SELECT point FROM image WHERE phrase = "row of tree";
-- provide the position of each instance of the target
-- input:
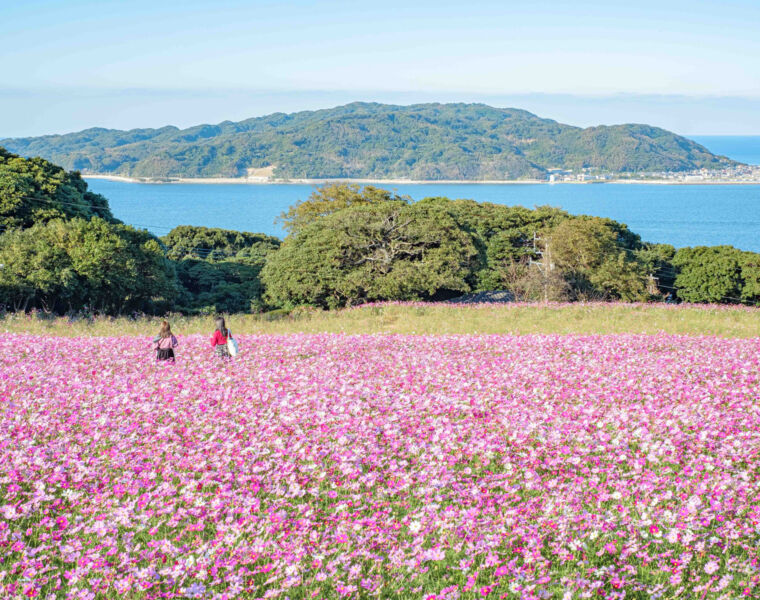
(61, 250)
(347, 245)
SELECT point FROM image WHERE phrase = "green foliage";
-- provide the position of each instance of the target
(62, 265)
(34, 191)
(360, 140)
(380, 251)
(502, 235)
(62, 250)
(717, 274)
(657, 259)
(593, 256)
(219, 287)
(750, 265)
(331, 198)
(350, 248)
(212, 244)
(505, 260)
(219, 269)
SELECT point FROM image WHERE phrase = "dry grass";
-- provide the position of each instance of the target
(417, 318)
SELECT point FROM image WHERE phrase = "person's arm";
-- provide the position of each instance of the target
(214, 339)
(174, 342)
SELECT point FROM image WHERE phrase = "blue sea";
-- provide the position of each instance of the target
(744, 148)
(682, 215)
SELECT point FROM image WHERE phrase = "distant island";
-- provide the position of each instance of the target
(427, 142)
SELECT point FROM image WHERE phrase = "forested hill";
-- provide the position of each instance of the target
(377, 141)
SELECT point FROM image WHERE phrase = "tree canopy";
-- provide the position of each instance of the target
(349, 245)
(388, 250)
(218, 269)
(62, 265)
(35, 190)
(593, 257)
(331, 198)
(717, 274)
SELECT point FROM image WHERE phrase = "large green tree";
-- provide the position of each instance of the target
(595, 257)
(66, 265)
(331, 198)
(34, 190)
(657, 260)
(502, 235)
(750, 265)
(382, 251)
(709, 274)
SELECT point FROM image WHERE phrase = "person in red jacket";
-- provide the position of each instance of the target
(219, 339)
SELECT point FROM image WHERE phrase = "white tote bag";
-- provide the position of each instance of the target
(232, 345)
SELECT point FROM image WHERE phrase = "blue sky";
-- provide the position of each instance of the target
(70, 64)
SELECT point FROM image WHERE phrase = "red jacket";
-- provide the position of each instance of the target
(218, 339)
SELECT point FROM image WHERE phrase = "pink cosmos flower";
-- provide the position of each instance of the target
(711, 567)
(489, 441)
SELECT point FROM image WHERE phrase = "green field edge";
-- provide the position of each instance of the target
(426, 319)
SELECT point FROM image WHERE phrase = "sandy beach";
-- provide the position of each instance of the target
(269, 181)
(266, 180)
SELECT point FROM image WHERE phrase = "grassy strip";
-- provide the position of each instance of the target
(425, 319)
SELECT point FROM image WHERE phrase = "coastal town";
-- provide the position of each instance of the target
(739, 174)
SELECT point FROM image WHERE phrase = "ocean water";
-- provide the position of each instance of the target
(744, 148)
(682, 215)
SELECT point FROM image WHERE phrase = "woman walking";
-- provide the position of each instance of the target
(165, 342)
(220, 338)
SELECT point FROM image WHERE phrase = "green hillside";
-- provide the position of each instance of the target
(377, 141)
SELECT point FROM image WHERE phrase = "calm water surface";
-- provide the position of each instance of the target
(744, 148)
(682, 215)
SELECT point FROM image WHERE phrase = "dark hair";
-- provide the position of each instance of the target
(165, 331)
(220, 326)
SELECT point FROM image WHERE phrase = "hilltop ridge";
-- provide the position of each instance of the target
(370, 140)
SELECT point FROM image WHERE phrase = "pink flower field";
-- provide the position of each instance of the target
(330, 466)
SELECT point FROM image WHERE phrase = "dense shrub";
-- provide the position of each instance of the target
(62, 266)
(218, 269)
(717, 274)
